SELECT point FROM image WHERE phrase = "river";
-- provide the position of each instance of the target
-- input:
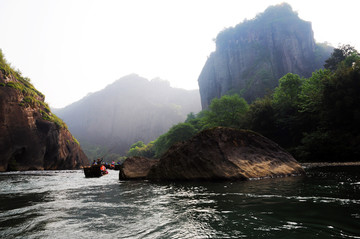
(64, 204)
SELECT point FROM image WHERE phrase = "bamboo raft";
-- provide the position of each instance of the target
(95, 171)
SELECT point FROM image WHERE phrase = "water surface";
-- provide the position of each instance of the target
(65, 204)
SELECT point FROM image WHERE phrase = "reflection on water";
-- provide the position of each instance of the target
(59, 204)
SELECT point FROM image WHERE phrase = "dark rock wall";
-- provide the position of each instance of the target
(28, 142)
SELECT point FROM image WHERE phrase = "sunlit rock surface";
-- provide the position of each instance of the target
(225, 154)
(136, 168)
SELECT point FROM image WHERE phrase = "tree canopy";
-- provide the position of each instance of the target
(339, 55)
(228, 111)
(177, 133)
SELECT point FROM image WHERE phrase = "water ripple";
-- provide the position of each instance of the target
(57, 204)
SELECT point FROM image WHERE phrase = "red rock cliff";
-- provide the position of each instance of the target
(31, 137)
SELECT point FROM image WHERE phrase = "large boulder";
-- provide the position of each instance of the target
(136, 168)
(225, 154)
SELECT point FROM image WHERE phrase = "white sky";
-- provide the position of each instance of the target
(69, 48)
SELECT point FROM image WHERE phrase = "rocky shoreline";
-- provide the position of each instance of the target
(328, 164)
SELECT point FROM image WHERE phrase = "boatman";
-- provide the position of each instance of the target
(103, 170)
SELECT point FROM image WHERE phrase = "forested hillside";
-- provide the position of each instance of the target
(315, 118)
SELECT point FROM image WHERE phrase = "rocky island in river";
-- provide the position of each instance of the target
(218, 154)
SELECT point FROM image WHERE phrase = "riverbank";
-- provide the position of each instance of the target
(328, 164)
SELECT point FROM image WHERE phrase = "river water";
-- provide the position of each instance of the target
(65, 204)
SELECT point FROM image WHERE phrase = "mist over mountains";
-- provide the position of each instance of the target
(301, 111)
(129, 110)
(249, 60)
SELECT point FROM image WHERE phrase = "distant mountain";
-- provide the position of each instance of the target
(129, 110)
(251, 57)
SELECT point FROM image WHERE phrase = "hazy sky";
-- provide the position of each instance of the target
(69, 48)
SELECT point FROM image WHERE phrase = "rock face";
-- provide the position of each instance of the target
(136, 168)
(225, 154)
(129, 110)
(251, 57)
(30, 137)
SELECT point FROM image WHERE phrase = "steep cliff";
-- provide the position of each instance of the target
(129, 110)
(251, 57)
(31, 137)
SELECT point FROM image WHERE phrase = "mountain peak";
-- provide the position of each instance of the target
(129, 110)
(278, 10)
(252, 56)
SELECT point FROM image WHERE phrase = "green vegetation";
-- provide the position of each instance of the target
(315, 118)
(75, 140)
(17, 81)
(177, 133)
(228, 111)
(339, 55)
(6, 68)
(32, 97)
(141, 149)
(94, 152)
(53, 118)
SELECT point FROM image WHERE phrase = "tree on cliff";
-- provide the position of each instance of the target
(228, 111)
(261, 117)
(177, 133)
(340, 54)
(141, 149)
(287, 91)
